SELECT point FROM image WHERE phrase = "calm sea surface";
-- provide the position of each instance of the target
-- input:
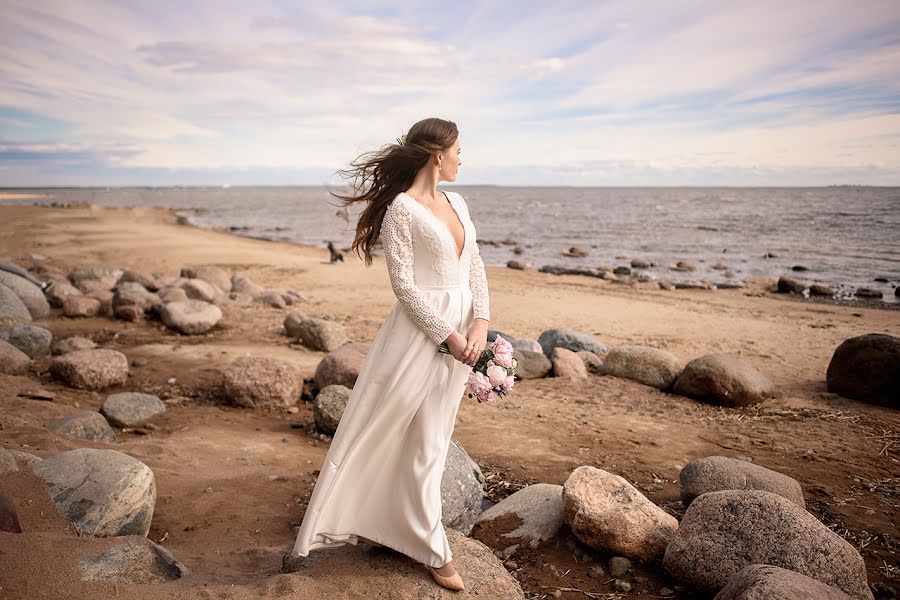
(845, 236)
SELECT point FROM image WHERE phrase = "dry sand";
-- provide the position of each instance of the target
(233, 538)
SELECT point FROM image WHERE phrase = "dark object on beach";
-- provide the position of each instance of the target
(881, 280)
(769, 255)
(864, 292)
(9, 519)
(897, 291)
(787, 285)
(818, 289)
(799, 268)
(867, 368)
(335, 253)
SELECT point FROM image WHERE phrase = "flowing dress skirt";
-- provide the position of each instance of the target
(381, 479)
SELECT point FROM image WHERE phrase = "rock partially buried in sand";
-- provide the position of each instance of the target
(292, 324)
(329, 407)
(567, 364)
(32, 340)
(132, 409)
(132, 301)
(462, 489)
(531, 365)
(72, 344)
(538, 510)
(723, 532)
(765, 582)
(12, 360)
(104, 493)
(716, 473)
(191, 317)
(260, 381)
(321, 334)
(84, 425)
(570, 340)
(81, 306)
(341, 366)
(723, 379)
(198, 289)
(134, 559)
(650, 366)
(244, 285)
(364, 571)
(867, 368)
(12, 310)
(213, 275)
(61, 290)
(608, 513)
(7, 461)
(31, 295)
(90, 369)
(789, 285)
(592, 362)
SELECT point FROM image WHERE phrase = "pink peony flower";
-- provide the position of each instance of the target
(496, 375)
(510, 380)
(479, 383)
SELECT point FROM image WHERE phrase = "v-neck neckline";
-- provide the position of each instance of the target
(447, 227)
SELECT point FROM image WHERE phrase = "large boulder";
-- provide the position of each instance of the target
(133, 302)
(462, 489)
(31, 295)
(88, 279)
(131, 409)
(364, 570)
(329, 407)
(90, 369)
(262, 381)
(198, 289)
(723, 379)
(12, 360)
(134, 559)
(723, 532)
(570, 340)
(867, 368)
(609, 514)
(191, 317)
(213, 275)
(32, 340)
(567, 364)
(104, 493)
(321, 334)
(765, 582)
(530, 516)
(342, 365)
(12, 310)
(715, 473)
(292, 324)
(84, 425)
(531, 365)
(650, 366)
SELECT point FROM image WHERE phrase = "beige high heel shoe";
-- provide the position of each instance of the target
(453, 582)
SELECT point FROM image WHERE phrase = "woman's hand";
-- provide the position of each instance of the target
(476, 339)
(457, 345)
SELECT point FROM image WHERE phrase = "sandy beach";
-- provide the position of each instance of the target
(233, 538)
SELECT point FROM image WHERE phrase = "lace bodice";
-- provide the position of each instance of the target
(420, 252)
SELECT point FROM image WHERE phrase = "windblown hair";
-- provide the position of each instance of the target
(378, 176)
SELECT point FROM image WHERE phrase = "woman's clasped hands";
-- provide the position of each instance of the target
(468, 349)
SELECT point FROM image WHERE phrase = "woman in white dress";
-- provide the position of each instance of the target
(381, 477)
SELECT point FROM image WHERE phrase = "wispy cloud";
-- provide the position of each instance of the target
(571, 93)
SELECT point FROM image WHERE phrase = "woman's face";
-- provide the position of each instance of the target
(449, 162)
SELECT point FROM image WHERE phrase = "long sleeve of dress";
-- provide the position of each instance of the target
(396, 237)
(479, 286)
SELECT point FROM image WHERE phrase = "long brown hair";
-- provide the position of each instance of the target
(378, 176)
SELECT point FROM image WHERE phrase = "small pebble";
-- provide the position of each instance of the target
(619, 565)
(511, 565)
(208, 490)
(666, 591)
(172, 380)
(595, 571)
(293, 410)
(621, 586)
(139, 362)
(869, 486)
(640, 580)
(869, 512)
(557, 593)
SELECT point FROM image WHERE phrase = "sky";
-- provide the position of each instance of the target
(633, 93)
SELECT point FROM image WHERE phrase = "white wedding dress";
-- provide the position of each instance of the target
(381, 477)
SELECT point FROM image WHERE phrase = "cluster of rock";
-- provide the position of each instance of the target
(745, 529)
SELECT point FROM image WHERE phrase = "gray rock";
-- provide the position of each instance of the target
(32, 340)
(765, 582)
(72, 344)
(638, 263)
(213, 275)
(131, 409)
(531, 365)
(132, 301)
(198, 289)
(526, 344)
(61, 290)
(820, 290)
(90, 369)
(723, 532)
(723, 379)
(462, 489)
(864, 292)
(516, 264)
(570, 340)
(172, 294)
(134, 559)
(619, 566)
(715, 473)
(81, 306)
(650, 366)
(567, 364)
(292, 324)
(191, 317)
(867, 368)
(539, 509)
(322, 335)
(31, 295)
(329, 407)
(103, 493)
(789, 285)
(609, 514)
(147, 280)
(493, 333)
(592, 362)
(7, 461)
(253, 381)
(12, 310)
(342, 365)
(272, 298)
(244, 285)
(84, 425)
(12, 360)
(102, 277)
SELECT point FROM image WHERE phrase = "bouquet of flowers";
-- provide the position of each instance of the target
(493, 374)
